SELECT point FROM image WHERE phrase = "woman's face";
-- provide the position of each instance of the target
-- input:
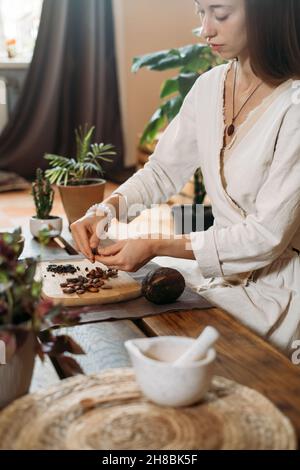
(224, 26)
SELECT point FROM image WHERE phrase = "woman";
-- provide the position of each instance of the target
(241, 124)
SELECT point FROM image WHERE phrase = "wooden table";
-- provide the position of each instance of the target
(242, 355)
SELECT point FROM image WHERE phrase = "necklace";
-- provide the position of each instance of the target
(231, 127)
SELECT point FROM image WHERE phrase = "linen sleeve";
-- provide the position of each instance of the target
(265, 234)
(173, 162)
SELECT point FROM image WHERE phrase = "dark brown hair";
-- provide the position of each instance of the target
(273, 28)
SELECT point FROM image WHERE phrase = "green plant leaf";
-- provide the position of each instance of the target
(156, 123)
(30, 264)
(36, 289)
(105, 159)
(155, 60)
(169, 87)
(44, 236)
(199, 188)
(185, 82)
(91, 167)
(104, 148)
(83, 141)
(56, 160)
(197, 32)
(21, 268)
(56, 175)
(99, 150)
(63, 168)
(4, 278)
(172, 107)
(88, 157)
(65, 177)
(173, 58)
(184, 57)
(148, 60)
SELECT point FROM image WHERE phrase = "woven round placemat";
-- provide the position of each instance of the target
(108, 411)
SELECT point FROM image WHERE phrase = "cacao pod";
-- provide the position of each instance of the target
(163, 285)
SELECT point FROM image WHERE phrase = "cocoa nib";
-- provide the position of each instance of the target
(61, 268)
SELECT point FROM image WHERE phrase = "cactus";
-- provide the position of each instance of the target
(43, 195)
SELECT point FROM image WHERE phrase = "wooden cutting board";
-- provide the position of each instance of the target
(124, 287)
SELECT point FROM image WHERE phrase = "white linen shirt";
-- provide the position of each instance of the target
(245, 263)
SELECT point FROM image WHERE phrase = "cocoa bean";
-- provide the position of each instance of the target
(93, 289)
(68, 291)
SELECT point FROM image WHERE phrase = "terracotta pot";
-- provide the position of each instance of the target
(79, 198)
(15, 376)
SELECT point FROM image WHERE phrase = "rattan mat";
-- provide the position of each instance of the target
(108, 411)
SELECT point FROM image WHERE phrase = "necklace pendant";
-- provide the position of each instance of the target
(230, 130)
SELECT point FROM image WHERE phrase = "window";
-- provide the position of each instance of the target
(19, 23)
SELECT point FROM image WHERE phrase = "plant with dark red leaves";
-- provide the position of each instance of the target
(22, 309)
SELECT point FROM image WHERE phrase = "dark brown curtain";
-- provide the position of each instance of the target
(72, 80)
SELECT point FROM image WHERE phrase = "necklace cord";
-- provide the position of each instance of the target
(231, 127)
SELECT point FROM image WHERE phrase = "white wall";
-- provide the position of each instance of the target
(143, 26)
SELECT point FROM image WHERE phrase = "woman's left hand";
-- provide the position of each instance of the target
(127, 255)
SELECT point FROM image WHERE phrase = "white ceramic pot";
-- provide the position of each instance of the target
(53, 224)
(15, 376)
(163, 382)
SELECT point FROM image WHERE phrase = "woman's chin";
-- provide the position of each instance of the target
(227, 55)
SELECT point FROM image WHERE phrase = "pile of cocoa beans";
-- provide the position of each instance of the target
(94, 280)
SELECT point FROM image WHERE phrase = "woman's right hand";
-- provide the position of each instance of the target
(86, 232)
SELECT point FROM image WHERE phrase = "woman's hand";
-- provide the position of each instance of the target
(85, 233)
(130, 255)
(127, 255)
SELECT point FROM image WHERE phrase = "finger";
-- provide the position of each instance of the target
(112, 249)
(83, 242)
(111, 261)
(94, 241)
(75, 238)
(75, 242)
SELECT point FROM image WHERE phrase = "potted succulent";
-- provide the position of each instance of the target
(43, 195)
(191, 61)
(78, 179)
(23, 316)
